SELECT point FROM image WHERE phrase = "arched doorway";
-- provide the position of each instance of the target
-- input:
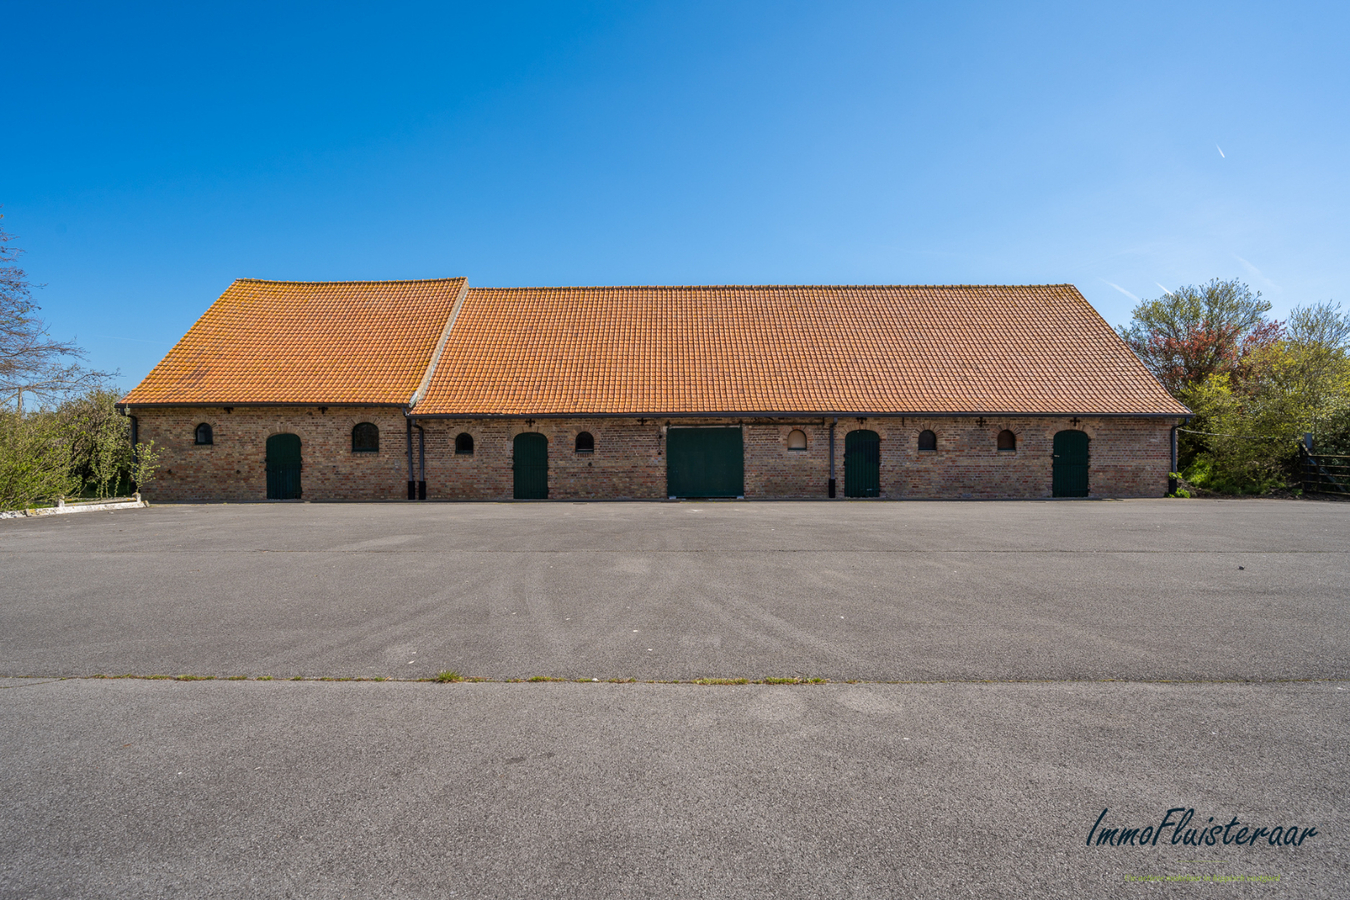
(530, 466)
(862, 464)
(1070, 478)
(283, 467)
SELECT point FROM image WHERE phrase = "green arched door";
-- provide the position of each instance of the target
(862, 464)
(530, 466)
(1070, 477)
(283, 467)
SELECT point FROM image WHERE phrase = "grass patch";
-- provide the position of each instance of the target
(264, 677)
(237, 678)
(621, 680)
(448, 676)
(721, 681)
(194, 678)
(298, 678)
(544, 678)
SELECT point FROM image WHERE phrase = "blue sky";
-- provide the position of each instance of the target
(154, 153)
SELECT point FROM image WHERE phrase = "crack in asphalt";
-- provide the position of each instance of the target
(769, 681)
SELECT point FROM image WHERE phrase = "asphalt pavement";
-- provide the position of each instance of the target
(1141, 590)
(1017, 669)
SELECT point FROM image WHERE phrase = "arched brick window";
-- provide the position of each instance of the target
(204, 434)
(927, 441)
(365, 438)
(1007, 442)
(464, 444)
(796, 439)
(585, 442)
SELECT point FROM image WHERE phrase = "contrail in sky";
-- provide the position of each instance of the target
(1220, 149)
(1122, 290)
(1164, 290)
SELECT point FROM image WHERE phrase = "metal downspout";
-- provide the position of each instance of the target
(1171, 478)
(412, 485)
(833, 422)
(421, 462)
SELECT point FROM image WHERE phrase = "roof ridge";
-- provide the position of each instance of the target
(708, 287)
(390, 281)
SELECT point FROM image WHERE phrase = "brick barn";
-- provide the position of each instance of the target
(436, 390)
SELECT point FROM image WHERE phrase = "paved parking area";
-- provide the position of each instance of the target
(118, 789)
(1144, 590)
(1076, 612)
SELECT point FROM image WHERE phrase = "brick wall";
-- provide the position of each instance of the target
(1129, 457)
(233, 467)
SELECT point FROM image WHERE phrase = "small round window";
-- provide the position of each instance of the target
(927, 441)
(204, 434)
(796, 439)
(1007, 442)
(585, 442)
(464, 444)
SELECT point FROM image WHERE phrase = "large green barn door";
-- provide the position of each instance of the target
(862, 464)
(705, 462)
(1070, 477)
(530, 466)
(283, 467)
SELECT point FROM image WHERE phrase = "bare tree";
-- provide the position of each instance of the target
(31, 361)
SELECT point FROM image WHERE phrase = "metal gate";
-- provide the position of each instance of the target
(1070, 470)
(862, 464)
(530, 466)
(705, 462)
(283, 467)
(1324, 473)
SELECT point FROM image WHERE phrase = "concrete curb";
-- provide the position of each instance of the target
(62, 507)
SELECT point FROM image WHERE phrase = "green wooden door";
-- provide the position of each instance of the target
(1071, 465)
(705, 462)
(530, 466)
(283, 467)
(862, 464)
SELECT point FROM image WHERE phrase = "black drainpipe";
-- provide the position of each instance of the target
(135, 439)
(412, 485)
(1171, 478)
(834, 422)
(421, 462)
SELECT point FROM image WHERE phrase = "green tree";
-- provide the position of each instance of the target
(102, 457)
(1194, 332)
(34, 459)
(1294, 386)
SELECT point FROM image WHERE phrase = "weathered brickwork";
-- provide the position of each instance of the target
(233, 466)
(1130, 457)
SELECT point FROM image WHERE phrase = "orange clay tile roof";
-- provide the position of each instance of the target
(306, 342)
(659, 350)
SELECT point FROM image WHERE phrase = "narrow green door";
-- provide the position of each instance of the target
(862, 464)
(705, 462)
(1071, 465)
(283, 467)
(530, 466)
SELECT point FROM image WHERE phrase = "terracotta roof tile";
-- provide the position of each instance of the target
(939, 349)
(306, 342)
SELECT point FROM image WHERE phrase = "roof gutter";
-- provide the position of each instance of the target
(237, 404)
(813, 414)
